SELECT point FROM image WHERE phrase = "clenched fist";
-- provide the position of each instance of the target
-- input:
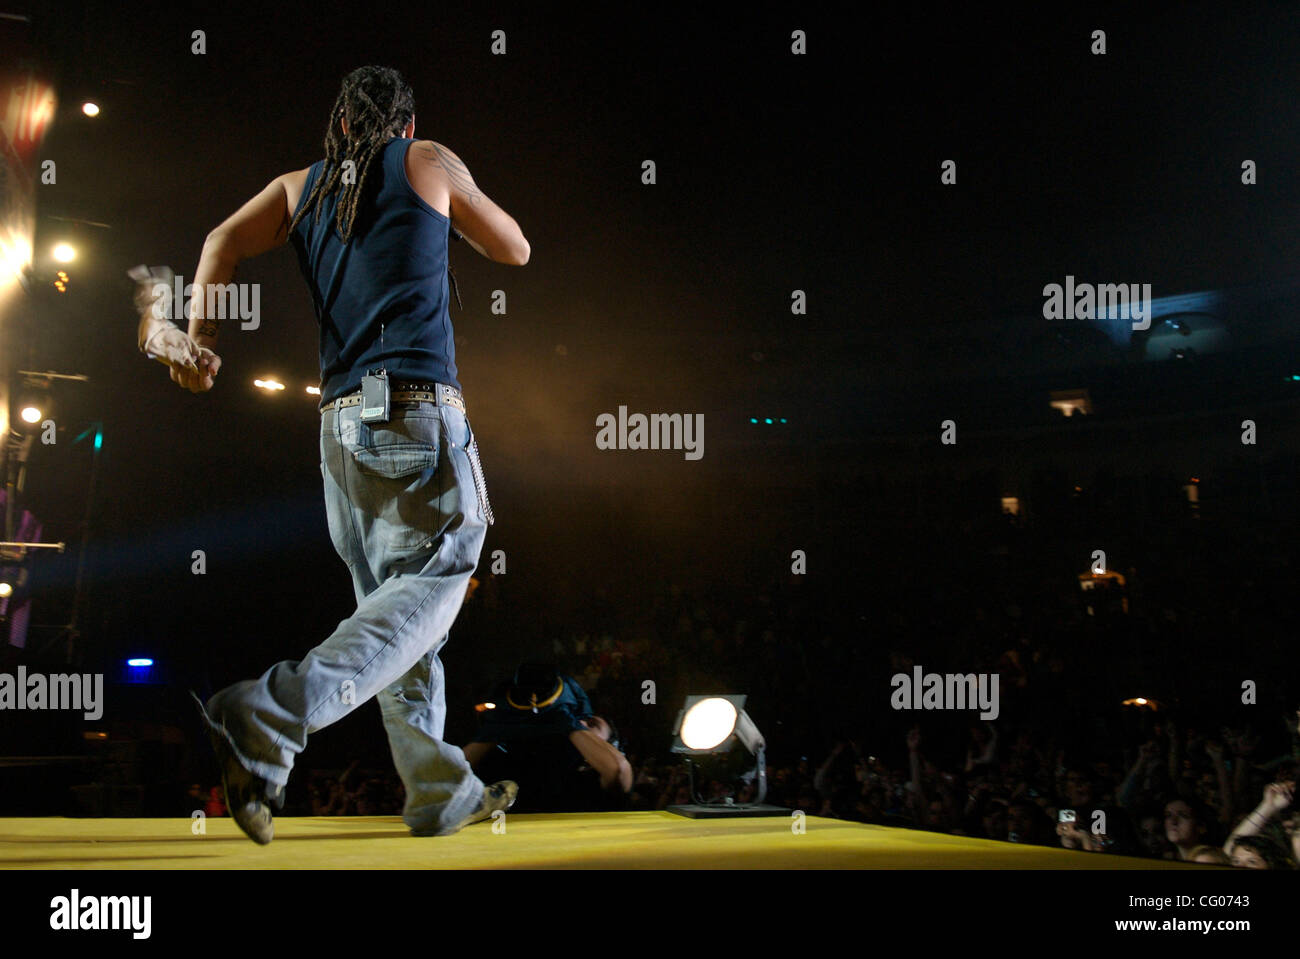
(199, 377)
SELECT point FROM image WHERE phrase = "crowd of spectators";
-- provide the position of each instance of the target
(1185, 794)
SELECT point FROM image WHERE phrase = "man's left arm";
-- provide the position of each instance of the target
(259, 225)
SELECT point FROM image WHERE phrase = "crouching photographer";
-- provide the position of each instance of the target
(543, 733)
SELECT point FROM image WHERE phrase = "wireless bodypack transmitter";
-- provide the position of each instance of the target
(375, 399)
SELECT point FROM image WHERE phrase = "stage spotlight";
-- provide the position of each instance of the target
(33, 408)
(269, 385)
(33, 403)
(707, 730)
(64, 253)
(6, 590)
(708, 723)
(90, 108)
(314, 390)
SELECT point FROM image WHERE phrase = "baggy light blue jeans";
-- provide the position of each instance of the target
(408, 511)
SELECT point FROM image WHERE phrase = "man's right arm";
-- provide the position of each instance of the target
(489, 229)
(611, 765)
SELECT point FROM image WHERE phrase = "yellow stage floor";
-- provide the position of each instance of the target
(641, 840)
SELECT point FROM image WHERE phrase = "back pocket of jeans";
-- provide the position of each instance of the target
(402, 506)
(396, 460)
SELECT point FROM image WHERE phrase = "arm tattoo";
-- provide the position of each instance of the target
(457, 172)
(209, 327)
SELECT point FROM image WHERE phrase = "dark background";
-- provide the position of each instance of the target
(775, 173)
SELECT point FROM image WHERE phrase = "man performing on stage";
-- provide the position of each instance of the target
(404, 490)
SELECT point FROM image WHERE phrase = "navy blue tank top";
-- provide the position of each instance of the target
(392, 272)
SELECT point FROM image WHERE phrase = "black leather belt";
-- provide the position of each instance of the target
(438, 393)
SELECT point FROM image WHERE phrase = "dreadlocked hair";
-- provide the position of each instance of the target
(378, 104)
